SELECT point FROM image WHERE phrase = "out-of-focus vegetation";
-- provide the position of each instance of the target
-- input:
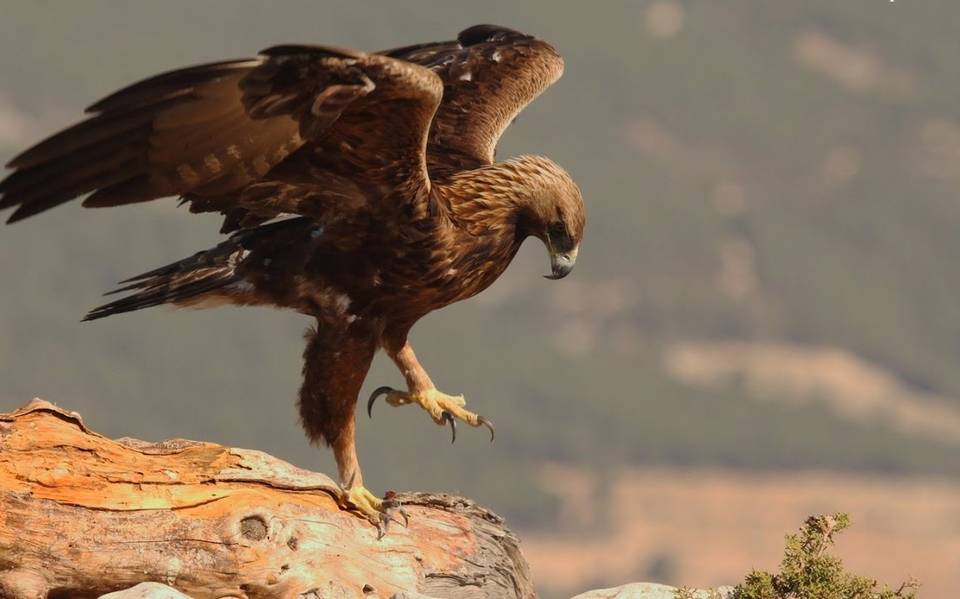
(754, 171)
(809, 572)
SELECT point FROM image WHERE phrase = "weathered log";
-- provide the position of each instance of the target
(82, 515)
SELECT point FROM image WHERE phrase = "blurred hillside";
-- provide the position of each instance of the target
(767, 283)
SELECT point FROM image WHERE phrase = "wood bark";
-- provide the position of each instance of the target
(82, 515)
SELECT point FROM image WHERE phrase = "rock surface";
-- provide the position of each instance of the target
(637, 590)
(649, 590)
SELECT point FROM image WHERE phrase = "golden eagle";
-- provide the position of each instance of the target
(360, 189)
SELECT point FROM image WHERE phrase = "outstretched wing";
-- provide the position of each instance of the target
(489, 75)
(215, 129)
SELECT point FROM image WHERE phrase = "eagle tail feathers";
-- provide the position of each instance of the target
(183, 282)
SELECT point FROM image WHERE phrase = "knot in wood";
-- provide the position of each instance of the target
(253, 528)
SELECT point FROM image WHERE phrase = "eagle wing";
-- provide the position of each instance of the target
(489, 75)
(216, 129)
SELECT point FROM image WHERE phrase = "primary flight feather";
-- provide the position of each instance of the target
(360, 189)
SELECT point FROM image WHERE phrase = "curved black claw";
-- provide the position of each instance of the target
(448, 417)
(390, 506)
(488, 424)
(373, 397)
(381, 525)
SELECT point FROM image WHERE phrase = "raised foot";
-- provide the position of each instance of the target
(443, 408)
(378, 511)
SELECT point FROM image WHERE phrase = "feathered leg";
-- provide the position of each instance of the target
(336, 361)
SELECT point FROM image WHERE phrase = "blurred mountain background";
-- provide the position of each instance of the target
(764, 322)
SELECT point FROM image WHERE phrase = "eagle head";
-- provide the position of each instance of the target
(555, 213)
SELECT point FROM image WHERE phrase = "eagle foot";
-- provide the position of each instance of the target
(443, 408)
(380, 512)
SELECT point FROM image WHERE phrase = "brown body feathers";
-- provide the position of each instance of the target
(360, 189)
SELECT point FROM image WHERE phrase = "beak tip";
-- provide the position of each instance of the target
(561, 262)
(560, 267)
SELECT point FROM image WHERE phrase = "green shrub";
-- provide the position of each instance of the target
(809, 572)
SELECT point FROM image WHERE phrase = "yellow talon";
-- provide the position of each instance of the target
(365, 502)
(376, 510)
(436, 403)
(442, 408)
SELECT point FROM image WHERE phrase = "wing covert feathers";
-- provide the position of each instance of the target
(490, 74)
(210, 130)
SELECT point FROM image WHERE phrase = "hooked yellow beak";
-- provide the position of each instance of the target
(561, 263)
